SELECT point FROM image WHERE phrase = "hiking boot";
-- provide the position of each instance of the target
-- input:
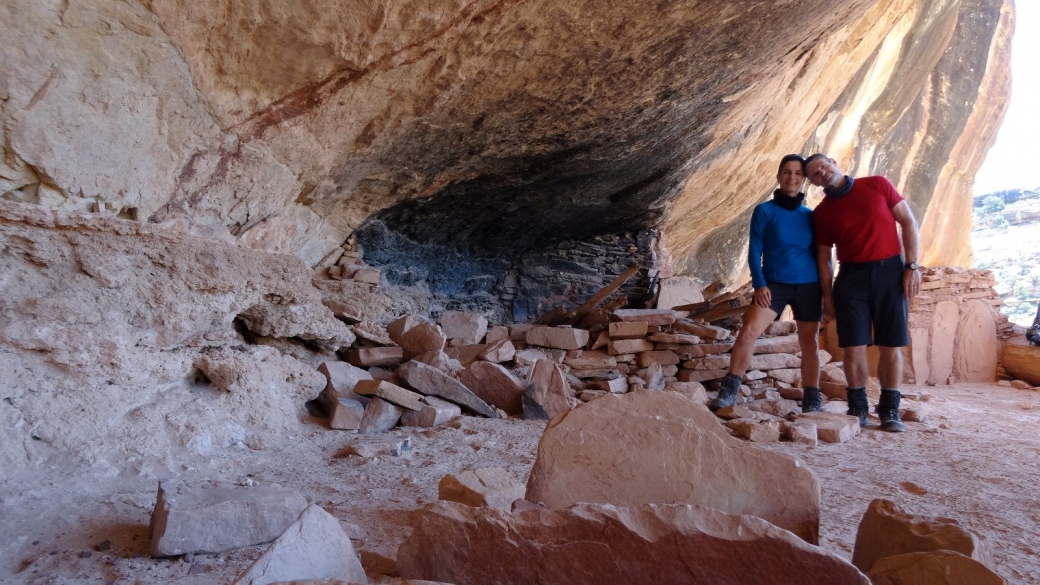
(858, 406)
(888, 411)
(811, 399)
(728, 392)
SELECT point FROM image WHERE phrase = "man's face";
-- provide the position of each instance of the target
(824, 172)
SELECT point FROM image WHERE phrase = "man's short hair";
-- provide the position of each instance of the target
(812, 157)
(790, 158)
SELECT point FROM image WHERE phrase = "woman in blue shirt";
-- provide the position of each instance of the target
(782, 258)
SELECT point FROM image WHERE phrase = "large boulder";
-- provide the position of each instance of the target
(661, 448)
(590, 544)
(887, 530)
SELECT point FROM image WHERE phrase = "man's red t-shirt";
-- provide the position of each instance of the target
(860, 223)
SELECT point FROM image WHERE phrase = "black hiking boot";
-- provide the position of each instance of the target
(888, 411)
(858, 406)
(728, 392)
(811, 399)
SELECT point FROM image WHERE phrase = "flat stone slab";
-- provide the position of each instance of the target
(312, 547)
(435, 413)
(495, 385)
(756, 431)
(215, 517)
(649, 316)
(627, 329)
(592, 544)
(376, 356)
(567, 338)
(832, 427)
(391, 392)
(433, 382)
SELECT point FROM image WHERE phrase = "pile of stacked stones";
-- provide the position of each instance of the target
(417, 372)
(344, 262)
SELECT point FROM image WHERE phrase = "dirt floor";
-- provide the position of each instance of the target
(975, 458)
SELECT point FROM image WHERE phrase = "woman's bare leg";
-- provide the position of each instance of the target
(756, 320)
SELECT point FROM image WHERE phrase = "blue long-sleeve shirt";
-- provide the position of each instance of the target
(781, 247)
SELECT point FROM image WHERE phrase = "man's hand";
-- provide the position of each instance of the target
(911, 283)
(763, 297)
(828, 310)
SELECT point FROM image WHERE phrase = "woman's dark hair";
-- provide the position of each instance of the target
(790, 158)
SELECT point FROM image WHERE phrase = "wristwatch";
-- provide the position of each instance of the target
(911, 266)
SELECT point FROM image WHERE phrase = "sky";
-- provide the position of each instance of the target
(1014, 160)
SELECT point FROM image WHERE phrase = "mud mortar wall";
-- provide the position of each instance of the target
(955, 329)
(514, 289)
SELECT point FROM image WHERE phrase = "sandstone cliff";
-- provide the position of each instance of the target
(492, 126)
(238, 141)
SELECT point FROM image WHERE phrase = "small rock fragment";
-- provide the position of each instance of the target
(486, 486)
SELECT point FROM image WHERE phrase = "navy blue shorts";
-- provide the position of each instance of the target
(870, 304)
(806, 300)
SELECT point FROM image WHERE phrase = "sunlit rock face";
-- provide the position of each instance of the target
(492, 127)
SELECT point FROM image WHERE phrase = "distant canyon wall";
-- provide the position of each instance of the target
(492, 126)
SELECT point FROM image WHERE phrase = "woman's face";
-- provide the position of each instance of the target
(790, 177)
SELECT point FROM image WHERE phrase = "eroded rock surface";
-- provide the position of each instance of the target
(105, 321)
(596, 543)
(286, 127)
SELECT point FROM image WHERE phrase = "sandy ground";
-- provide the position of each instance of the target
(974, 459)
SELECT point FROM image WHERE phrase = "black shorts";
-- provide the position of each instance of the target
(806, 300)
(869, 297)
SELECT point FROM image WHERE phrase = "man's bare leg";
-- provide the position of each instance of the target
(890, 367)
(809, 343)
(857, 370)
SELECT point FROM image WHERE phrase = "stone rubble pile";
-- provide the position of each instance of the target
(416, 372)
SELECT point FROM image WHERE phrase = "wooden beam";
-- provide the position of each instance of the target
(602, 294)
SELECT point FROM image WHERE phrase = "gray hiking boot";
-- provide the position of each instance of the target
(811, 399)
(858, 405)
(728, 392)
(888, 411)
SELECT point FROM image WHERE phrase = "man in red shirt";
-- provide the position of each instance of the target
(871, 294)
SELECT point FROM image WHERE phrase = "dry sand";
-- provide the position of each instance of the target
(974, 459)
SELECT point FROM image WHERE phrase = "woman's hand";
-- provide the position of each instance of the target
(763, 297)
